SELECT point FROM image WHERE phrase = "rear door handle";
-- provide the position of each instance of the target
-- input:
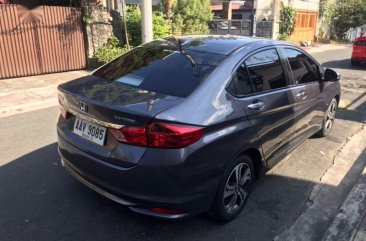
(259, 105)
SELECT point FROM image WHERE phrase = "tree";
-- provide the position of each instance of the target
(287, 21)
(191, 17)
(348, 14)
(161, 26)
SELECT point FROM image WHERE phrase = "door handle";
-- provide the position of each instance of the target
(302, 95)
(259, 105)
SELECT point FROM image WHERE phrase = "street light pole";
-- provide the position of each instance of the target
(146, 21)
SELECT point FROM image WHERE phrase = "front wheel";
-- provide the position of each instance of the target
(329, 118)
(233, 190)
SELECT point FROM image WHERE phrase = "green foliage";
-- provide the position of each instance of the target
(283, 37)
(287, 20)
(133, 21)
(161, 26)
(348, 14)
(191, 17)
(111, 50)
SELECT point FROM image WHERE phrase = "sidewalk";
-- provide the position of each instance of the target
(26, 94)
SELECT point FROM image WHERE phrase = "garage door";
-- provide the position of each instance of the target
(305, 27)
(46, 39)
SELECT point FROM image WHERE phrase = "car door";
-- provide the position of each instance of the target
(308, 93)
(262, 89)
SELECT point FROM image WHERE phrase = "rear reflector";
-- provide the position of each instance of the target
(166, 211)
(159, 135)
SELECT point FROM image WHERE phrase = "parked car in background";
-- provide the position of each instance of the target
(220, 24)
(180, 126)
(359, 51)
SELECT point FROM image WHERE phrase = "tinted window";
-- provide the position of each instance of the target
(360, 43)
(265, 71)
(303, 68)
(162, 67)
(240, 83)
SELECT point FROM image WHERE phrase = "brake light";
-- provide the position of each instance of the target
(131, 135)
(159, 135)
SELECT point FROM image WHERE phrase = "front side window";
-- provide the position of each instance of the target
(265, 71)
(304, 69)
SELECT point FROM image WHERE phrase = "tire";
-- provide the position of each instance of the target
(329, 118)
(225, 209)
(354, 62)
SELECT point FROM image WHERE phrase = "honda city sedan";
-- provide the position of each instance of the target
(184, 125)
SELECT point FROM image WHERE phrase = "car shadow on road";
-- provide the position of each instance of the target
(40, 201)
(344, 64)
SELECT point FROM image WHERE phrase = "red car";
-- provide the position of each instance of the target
(359, 51)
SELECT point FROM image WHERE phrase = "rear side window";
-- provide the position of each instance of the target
(162, 67)
(304, 69)
(361, 43)
(240, 83)
(265, 71)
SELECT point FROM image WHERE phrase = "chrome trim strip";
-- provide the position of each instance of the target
(92, 120)
(97, 189)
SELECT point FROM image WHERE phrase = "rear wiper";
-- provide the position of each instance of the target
(180, 46)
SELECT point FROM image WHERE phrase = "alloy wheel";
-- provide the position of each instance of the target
(331, 114)
(237, 188)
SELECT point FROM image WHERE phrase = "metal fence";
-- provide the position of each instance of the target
(231, 26)
(46, 39)
(264, 29)
(241, 27)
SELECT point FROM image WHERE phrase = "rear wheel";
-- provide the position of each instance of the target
(234, 190)
(329, 118)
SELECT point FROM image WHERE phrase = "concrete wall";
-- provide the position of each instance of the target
(309, 5)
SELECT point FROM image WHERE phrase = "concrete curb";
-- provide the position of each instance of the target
(329, 194)
(350, 215)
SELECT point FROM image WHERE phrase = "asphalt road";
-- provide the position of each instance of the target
(40, 201)
(353, 77)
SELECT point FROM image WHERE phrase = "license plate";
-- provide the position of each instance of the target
(92, 132)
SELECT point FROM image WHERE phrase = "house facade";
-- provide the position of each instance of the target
(307, 12)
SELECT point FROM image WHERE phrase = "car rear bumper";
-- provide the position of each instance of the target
(140, 187)
(359, 57)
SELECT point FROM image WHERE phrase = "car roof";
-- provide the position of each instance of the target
(361, 39)
(220, 44)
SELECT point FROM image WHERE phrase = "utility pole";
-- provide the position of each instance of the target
(121, 6)
(146, 21)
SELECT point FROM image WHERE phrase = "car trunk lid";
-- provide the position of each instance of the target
(111, 105)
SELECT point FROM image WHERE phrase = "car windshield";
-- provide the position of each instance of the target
(162, 66)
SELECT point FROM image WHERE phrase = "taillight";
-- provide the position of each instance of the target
(173, 136)
(159, 135)
(131, 135)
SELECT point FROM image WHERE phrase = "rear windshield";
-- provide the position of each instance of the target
(161, 66)
(361, 43)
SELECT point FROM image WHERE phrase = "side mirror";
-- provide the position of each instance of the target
(331, 75)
